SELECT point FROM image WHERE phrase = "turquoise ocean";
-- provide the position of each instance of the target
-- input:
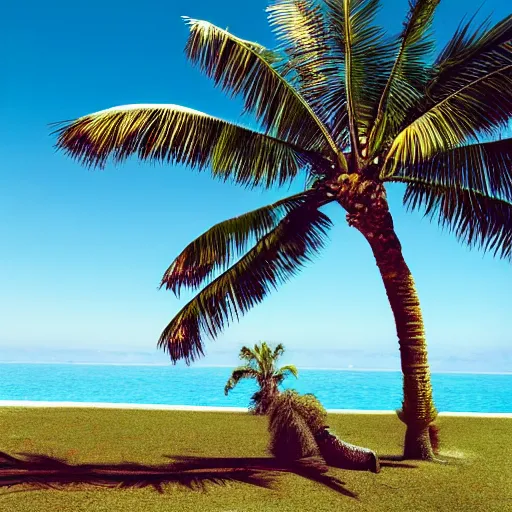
(204, 386)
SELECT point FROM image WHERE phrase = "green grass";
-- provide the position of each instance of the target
(477, 477)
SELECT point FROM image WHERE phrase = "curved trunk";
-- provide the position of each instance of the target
(369, 213)
(418, 409)
(339, 454)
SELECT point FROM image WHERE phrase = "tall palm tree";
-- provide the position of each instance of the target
(261, 366)
(356, 112)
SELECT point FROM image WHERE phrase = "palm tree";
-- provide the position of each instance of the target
(261, 365)
(355, 112)
(298, 433)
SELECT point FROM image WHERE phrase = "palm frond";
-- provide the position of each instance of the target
(312, 410)
(278, 351)
(485, 167)
(181, 135)
(462, 38)
(470, 93)
(407, 78)
(265, 359)
(315, 61)
(216, 249)
(291, 437)
(284, 371)
(476, 219)
(239, 373)
(469, 46)
(246, 68)
(368, 61)
(275, 258)
(247, 354)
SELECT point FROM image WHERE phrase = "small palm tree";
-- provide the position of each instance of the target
(261, 365)
(356, 112)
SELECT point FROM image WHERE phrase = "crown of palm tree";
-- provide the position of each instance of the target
(260, 364)
(336, 96)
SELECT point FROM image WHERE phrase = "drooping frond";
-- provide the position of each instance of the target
(239, 373)
(286, 370)
(291, 438)
(407, 78)
(216, 249)
(278, 351)
(367, 61)
(312, 410)
(469, 93)
(247, 354)
(315, 60)
(476, 219)
(246, 68)
(484, 167)
(274, 259)
(181, 135)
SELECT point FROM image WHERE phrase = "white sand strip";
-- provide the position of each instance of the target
(106, 405)
(162, 407)
(471, 414)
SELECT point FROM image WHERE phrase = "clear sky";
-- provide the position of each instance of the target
(82, 252)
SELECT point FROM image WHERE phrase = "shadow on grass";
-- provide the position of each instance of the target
(42, 471)
(394, 461)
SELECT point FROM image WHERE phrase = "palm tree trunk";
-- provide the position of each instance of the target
(266, 395)
(418, 410)
(339, 454)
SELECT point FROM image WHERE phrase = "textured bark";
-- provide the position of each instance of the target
(366, 204)
(417, 444)
(338, 453)
(262, 400)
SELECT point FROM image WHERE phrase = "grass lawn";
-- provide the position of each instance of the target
(478, 476)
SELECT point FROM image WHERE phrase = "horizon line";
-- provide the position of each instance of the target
(307, 368)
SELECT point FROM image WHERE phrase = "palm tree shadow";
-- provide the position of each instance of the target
(394, 461)
(195, 473)
(310, 469)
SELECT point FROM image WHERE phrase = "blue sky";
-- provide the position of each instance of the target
(82, 252)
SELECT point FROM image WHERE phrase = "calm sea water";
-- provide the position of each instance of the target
(336, 389)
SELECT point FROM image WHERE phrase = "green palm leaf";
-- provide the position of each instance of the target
(407, 78)
(246, 68)
(476, 218)
(275, 258)
(264, 358)
(239, 373)
(216, 249)
(246, 354)
(261, 366)
(181, 135)
(484, 167)
(315, 60)
(278, 351)
(285, 370)
(469, 93)
(367, 60)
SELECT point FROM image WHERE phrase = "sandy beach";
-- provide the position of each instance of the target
(161, 407)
